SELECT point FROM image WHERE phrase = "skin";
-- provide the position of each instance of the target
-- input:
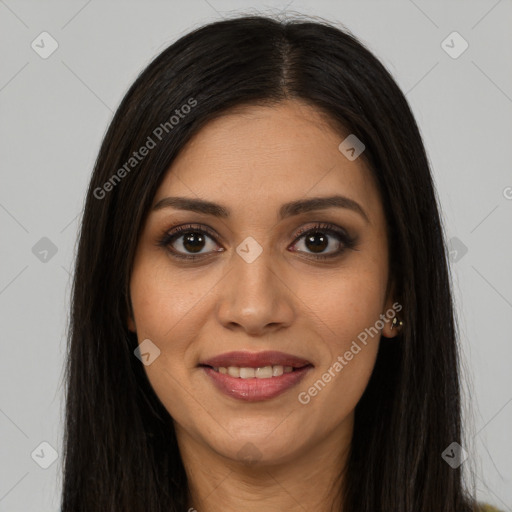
(252, 161)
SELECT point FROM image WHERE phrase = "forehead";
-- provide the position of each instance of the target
(268, 154)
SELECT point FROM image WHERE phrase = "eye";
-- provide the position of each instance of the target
(188, 238)
(190, 242)
(319, 238)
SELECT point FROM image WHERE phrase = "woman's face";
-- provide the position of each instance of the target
(259, 284)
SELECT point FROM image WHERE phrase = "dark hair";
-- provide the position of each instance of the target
(120, 447)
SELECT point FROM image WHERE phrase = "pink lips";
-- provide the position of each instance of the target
(254, 389)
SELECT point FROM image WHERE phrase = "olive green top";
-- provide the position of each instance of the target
(484, 507)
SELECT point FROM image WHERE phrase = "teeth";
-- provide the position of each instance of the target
(265, 372)
(234, 371)
(247, 373)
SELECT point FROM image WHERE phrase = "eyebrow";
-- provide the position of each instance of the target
(286, 210)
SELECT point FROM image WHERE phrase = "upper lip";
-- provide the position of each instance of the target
(255, 360)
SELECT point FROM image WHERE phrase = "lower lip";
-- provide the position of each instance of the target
(253, 389)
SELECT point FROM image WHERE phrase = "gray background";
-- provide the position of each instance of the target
(55, 111)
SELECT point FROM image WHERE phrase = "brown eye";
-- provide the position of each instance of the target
(317, 240)
(193, 242)
(188, 242)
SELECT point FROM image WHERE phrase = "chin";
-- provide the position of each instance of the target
(258, 448)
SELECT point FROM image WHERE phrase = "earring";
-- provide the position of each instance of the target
(396, 322)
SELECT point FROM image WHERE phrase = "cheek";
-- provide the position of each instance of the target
(334, 394)
(163, 302)
(169, 311)
(346, 309)
(351, 341)
(160, 318)
(344, 304)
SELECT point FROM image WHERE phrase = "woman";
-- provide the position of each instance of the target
(262, 316)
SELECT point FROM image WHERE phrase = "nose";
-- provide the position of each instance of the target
(254, 297)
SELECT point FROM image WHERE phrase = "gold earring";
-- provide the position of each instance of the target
(396, 322)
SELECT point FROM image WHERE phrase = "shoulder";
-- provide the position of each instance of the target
(483, 507)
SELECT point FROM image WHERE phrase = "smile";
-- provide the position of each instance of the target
(255, 376)
(265, 372)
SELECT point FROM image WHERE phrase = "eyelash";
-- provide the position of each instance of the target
(330, 229)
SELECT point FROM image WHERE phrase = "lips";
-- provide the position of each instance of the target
(255, 360)
(276, 372)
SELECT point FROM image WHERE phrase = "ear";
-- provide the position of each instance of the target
(392, 309)
(131, 323)
(130, 318)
